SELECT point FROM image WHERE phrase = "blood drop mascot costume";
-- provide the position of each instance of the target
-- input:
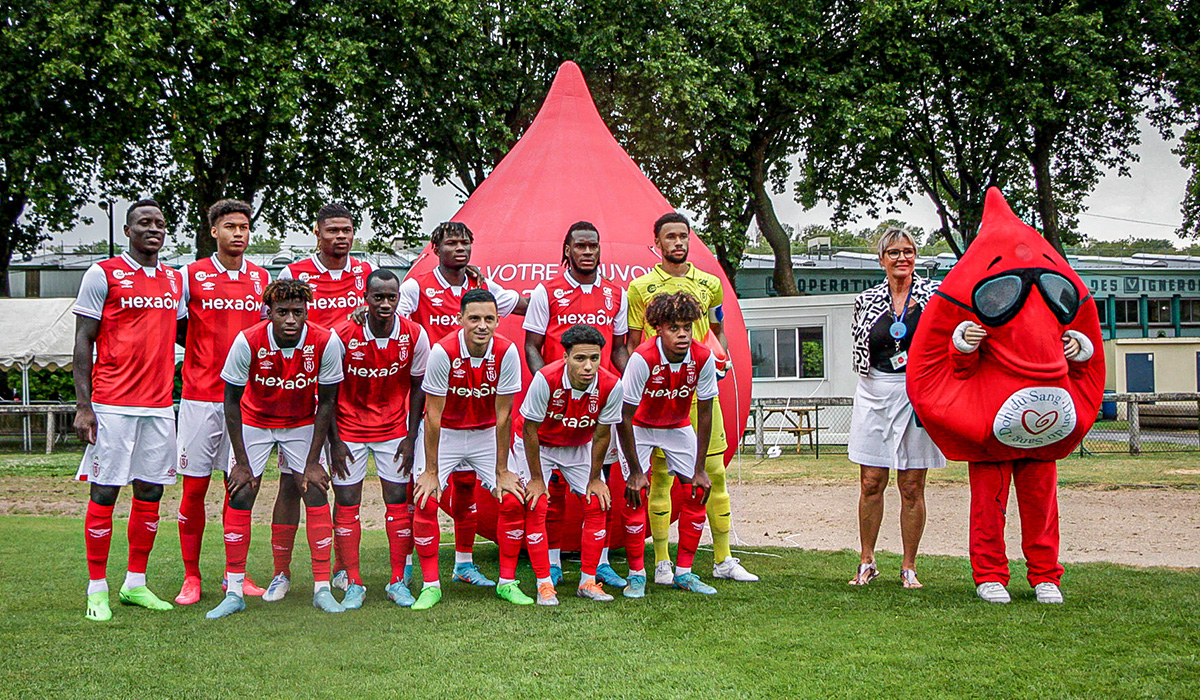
(1013, 403)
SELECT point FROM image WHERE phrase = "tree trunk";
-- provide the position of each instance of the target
(10, 213)
(1047, 208)
(207, 194)
(777, 238)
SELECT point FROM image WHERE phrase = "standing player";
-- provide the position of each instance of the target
(564, 424)
(338, 281)
(222, 295)
(380, 403)
(126, 313)
(433, 300)
(580, 295)
(662, 376)
(269, 376)
(671, 236)
(469, 386)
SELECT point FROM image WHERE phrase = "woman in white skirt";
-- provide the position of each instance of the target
(884, 434)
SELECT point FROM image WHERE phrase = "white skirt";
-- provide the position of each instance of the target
(883, 426)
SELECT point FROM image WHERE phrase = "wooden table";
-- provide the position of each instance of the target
(798, 420)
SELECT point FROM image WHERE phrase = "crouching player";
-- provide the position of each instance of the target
(564, 424)
(269, 402)
(659, 381)
(380, 403)
(469, 385)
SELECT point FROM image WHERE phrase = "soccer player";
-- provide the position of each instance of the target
(672, 234)
(269, 376)
(564, 424)
(579, 295)
(469, 385)
(433, 300)
(662, 376)
(380, 403)
(222, 296)
(338, 281)
(126, 313)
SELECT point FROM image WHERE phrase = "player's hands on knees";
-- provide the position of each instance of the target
(358, 316)
(315, 476)
(533, 491)
(85, 424)
(701, 481)
(425, 486)
(507, 482)
(339, 456)
(404, 455)
(240, 476)
(599, 489)
(637, 483)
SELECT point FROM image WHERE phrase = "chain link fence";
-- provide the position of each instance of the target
(1127, 423)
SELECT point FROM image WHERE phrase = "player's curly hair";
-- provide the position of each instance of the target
(577, 226)
(679, 307)
(225, 207)
(287, 290)
(447, 228)
(581, 334)
(334, 210)
(673, 217)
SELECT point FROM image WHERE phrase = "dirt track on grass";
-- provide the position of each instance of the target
(1139, 527)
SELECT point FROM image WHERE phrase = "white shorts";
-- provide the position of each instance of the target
(574, 463)
(678, 445)
(612, 456)
(463, 450)
(293, 443)
(387, 468)
(129, 448)
(203, 441)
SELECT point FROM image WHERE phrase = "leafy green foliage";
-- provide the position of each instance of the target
(44, 384)
(97, 248)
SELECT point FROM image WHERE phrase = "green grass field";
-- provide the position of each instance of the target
(801, 632)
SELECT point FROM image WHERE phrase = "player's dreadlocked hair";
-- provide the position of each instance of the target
(225, 207)
(577, 226)
(447, 228)
(670, 218)
(334, 210)
(287, 290)
(581, 334)
(679, 307)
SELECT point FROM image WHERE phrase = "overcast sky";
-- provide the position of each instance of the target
(1144, 205)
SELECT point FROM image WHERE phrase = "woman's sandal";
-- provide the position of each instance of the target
(908, 577)
(866, 574)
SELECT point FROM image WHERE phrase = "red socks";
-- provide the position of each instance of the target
(399, 528)
(556, 512)
(595, 535)
(283, 539)
(318, 524)
(191, 522)
(237, 539)
(691, 526)
(97, 534)
(510, 533)
(426, 537)
(635, 534)
(462, 509)
(143, 526)
(347, 534)
(536, 539)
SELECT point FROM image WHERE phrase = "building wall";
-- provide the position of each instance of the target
(832, 314)
(1174, 362)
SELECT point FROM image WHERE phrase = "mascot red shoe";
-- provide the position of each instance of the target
(1006, 372)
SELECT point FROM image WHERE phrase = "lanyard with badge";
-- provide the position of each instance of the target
(898, 330)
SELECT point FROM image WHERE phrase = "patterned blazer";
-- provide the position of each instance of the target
(872, 304)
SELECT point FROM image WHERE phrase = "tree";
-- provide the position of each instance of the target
(96, 248)
(1183, 80)
(252, 100)
(58, 58)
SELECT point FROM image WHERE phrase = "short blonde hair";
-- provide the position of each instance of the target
(892, 235)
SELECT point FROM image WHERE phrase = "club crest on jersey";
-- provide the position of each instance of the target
(358, 283)
(608, 303)
(309, 364)
(257, 285)
(491, 372)
(171, 280)
(403, 350)
(594, 402)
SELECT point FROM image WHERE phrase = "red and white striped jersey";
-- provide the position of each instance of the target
(280, 382)
(470, 384)
(563, 302)
(663, 391)
(335, 292)
(219, 304)
(432, 302)
(569, 417)
(373, 397)
(135, 348)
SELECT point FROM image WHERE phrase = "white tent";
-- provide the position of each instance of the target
(36, 333)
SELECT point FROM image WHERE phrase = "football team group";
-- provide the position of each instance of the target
(335, 362)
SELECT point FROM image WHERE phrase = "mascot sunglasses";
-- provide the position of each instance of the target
(998, 299)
